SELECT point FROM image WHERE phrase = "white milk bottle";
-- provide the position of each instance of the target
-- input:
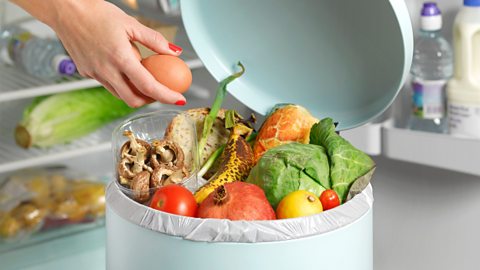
(463, 91)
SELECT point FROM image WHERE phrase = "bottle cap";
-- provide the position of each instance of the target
(431, 19)
(430, 9)
(64, 65)
(67, 67)
(471, 3)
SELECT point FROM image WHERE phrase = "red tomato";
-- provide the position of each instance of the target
(329, 199)
(174, 199)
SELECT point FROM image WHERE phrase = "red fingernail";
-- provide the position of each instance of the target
(175, 48)
(181, 103)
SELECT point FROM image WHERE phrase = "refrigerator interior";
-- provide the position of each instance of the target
(425, 213)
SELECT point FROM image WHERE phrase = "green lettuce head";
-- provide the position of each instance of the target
(291, 167)
(347, 163)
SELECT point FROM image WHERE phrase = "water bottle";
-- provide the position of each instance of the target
(432, 67)
(45, 58)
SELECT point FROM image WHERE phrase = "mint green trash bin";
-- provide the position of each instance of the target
(342, 59)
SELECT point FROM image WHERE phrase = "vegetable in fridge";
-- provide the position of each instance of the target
(63, 117)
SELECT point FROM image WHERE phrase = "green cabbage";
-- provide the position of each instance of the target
(291, 167)
(347, 163)
(63, 117)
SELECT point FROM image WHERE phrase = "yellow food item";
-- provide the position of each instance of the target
(92, 196)
(58, 186)
(9, 226)
(39, 185)
(29, 214)
(299, 203)
(70, 209)
(237, 161)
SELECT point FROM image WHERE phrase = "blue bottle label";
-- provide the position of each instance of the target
(429, 98)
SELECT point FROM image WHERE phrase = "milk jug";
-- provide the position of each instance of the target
(463, 91)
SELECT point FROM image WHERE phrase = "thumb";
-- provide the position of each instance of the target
(154, 40)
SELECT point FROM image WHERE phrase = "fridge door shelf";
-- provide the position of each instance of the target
(431, 149)
(437, 150)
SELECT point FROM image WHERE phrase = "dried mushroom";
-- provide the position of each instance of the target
(159, 176)
(175, 178)
(135, 155)
(131, 147)
(140, 186)
(143, 166)
(168, 153)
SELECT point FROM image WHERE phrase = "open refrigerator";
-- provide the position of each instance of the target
(429, 195)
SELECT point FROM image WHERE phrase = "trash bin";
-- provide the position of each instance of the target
(139, 237)
(341, 59)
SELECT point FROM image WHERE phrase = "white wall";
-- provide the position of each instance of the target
(426, 218)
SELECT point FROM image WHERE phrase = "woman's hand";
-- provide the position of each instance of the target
(98, 36)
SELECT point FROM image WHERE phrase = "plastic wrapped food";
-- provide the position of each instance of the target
(40, 199)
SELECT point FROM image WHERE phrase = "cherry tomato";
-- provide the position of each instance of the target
(174, 199)
(329, 199)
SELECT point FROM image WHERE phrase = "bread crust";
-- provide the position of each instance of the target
(179, 131)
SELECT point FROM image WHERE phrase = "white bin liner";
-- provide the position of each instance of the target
(221, 230)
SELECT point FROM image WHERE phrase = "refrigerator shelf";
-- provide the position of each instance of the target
(17, 85)
(14, 157)
(431, 149)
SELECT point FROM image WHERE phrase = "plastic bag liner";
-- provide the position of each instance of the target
(222, 230)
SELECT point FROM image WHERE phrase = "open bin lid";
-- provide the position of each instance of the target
(342, 59)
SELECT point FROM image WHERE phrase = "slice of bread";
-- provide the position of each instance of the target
(180, 131)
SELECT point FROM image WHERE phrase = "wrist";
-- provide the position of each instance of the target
(57, 13)
(63, 11)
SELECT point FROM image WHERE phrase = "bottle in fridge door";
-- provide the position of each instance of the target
(464, 89)
(45, 58)
(432, 67)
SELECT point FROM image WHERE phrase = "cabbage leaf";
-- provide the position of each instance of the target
(347, 163)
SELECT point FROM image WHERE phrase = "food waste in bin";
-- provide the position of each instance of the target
(295, 165)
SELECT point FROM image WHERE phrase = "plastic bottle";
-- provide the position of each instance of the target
(463, 90)
(44, 58)
(431, 68)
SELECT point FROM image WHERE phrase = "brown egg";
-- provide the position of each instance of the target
(170, 71)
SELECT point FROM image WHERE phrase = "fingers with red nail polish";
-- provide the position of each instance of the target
(181, 103)
(175, 48)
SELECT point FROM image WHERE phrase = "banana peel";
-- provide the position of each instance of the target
(237, 161)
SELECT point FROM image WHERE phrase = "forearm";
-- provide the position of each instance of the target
(51, 12)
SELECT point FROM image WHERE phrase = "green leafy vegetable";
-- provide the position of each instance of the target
(347, 163)
(63, 117)
(290, 167)
(217, 104)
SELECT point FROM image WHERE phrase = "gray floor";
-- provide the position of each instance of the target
(425, 218)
